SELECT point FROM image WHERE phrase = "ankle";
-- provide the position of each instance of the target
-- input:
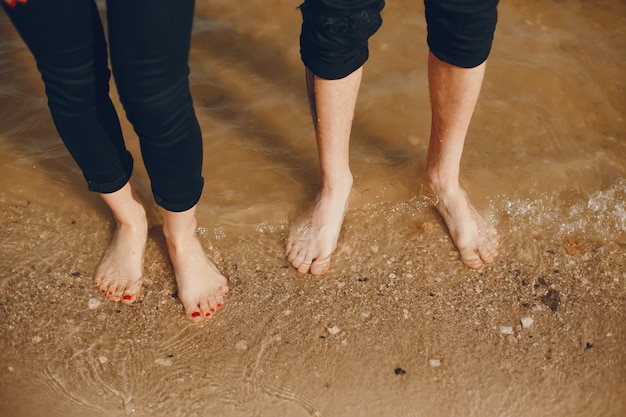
(441, 184)
(179, 231)
(340, 184)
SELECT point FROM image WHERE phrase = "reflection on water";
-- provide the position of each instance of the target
(546, 147)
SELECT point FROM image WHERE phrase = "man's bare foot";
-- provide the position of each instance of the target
(120, 272)
(475, 238)
(201, 286)
(312, 241)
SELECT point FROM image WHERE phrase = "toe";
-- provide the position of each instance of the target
(193, 313)
(320, 266)
(303, 262)
(293, 255)
(289, 247)
(471, 258)
(131, 293)
(205, 308)
(128, 298)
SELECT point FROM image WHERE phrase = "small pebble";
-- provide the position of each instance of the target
(333, 330)
(506, 330)
(93, 303)
(36, 339)
(241, 345)
(527, 322)
(11, 369)
(163, 362)
(103, 359)
(434, 362)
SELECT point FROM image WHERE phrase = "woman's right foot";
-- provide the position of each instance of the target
(119, 274)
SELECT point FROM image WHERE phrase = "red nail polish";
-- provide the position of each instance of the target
(219, 305)
(212, 310)
(195, 314)
(110, 292)
(208, 314)
(12, 3)
(103, 291)
(128, 297)
(22, 1)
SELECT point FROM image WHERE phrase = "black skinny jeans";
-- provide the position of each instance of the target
(149, 48)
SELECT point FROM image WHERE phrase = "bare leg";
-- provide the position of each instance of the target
(120, 272)
(311, 244)
(201, 287)
(453, 94)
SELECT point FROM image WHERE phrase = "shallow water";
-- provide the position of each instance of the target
(546, 147)
(545, 155)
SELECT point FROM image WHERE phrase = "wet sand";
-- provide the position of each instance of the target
(398, 327)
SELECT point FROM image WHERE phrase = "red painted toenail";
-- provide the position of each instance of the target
(208, 314)
(212, 310)
(219, 305)
(195, 314)
(110, 292)
(12, 3)
(103, 291)
(128, 297)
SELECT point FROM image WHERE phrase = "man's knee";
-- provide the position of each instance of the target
(335, 34)
(460, 32)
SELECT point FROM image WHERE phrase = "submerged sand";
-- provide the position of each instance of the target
(397, 328)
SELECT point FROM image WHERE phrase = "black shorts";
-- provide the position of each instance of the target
(335, 33)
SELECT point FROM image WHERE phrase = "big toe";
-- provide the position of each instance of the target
(471, 258)
(320, 266)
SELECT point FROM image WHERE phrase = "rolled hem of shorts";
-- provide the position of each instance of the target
(108, 187)
(335, 72)
(462, 62)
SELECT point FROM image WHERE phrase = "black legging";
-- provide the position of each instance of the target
(149, 47)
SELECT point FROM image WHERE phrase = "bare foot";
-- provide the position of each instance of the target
(311, 242)
(475, 238)
(120, 272)
(201, 286)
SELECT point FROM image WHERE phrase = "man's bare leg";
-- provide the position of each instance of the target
(201, 286)
(453, 93)
(310, 245)
(120, 272)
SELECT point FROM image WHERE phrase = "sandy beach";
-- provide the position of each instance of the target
(398, 327)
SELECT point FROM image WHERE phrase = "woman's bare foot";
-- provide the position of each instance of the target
(120, 272)
(312, 241)
(476, 240)
(201, 286)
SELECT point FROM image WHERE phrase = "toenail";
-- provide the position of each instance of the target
(128, 297)
(219, 305)
(110, 292)
(195, 314)
(212, 309)
(208, 314)
(103, 291)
